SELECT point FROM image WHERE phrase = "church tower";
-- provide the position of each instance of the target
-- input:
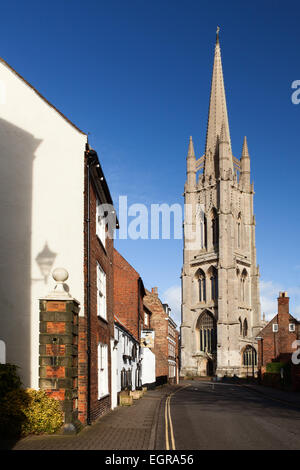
(220, 277)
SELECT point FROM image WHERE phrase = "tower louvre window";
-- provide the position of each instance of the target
(214, 283)
(239, 233)
(245, 328)
(215, 228)
(202, 286)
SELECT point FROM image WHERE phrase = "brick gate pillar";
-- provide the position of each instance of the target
(58, 372)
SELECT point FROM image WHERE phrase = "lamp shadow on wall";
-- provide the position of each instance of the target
(17, 154)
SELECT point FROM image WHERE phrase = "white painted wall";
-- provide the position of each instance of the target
(124, 345)
(148, 366)
(41, 194)
(114, 375)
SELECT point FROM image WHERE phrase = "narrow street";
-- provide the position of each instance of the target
(209, 416)
(195, 415)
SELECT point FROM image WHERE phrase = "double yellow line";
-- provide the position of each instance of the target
(168, 421)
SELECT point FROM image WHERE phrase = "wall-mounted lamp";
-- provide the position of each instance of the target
(45, 260)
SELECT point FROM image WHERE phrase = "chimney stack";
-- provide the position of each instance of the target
(154, 290)
(283, 303)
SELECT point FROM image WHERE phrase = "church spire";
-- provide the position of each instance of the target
(217, 114)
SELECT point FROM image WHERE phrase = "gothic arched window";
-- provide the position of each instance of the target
(245, 328)
(241, 326)
(215, 227)
(249, 356)
(202, 286)
(213, 276)
(208, 332)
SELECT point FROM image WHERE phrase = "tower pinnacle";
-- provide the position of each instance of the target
(245, 152)
(245, 167)
(191, 152)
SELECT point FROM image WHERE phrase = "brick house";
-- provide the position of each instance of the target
(96, 328)
(128, 295)
(165, 342)
(275, 340)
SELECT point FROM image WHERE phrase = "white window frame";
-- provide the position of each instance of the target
(275, 327)
(101, 293)
(102, 354)
(100, 223)
(292, 327)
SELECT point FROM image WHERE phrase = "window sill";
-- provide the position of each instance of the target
(102, 319)
(104, 396)
(101, 244)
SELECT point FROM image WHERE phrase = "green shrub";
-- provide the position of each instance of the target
(9, 379)
(274, 367)
(43, 414)
(29, 412)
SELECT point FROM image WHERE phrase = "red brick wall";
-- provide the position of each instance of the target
(160, 325)
(101, 330)
(128, 301)
(177, 355)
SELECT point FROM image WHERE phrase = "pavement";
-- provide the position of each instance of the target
(124, 428)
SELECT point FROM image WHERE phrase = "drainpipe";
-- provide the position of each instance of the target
(90, 162)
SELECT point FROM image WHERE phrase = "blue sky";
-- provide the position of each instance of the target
(136, 75)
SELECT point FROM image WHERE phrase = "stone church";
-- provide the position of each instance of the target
(220, 277)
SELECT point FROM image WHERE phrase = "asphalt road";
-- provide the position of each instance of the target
(220, 416)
